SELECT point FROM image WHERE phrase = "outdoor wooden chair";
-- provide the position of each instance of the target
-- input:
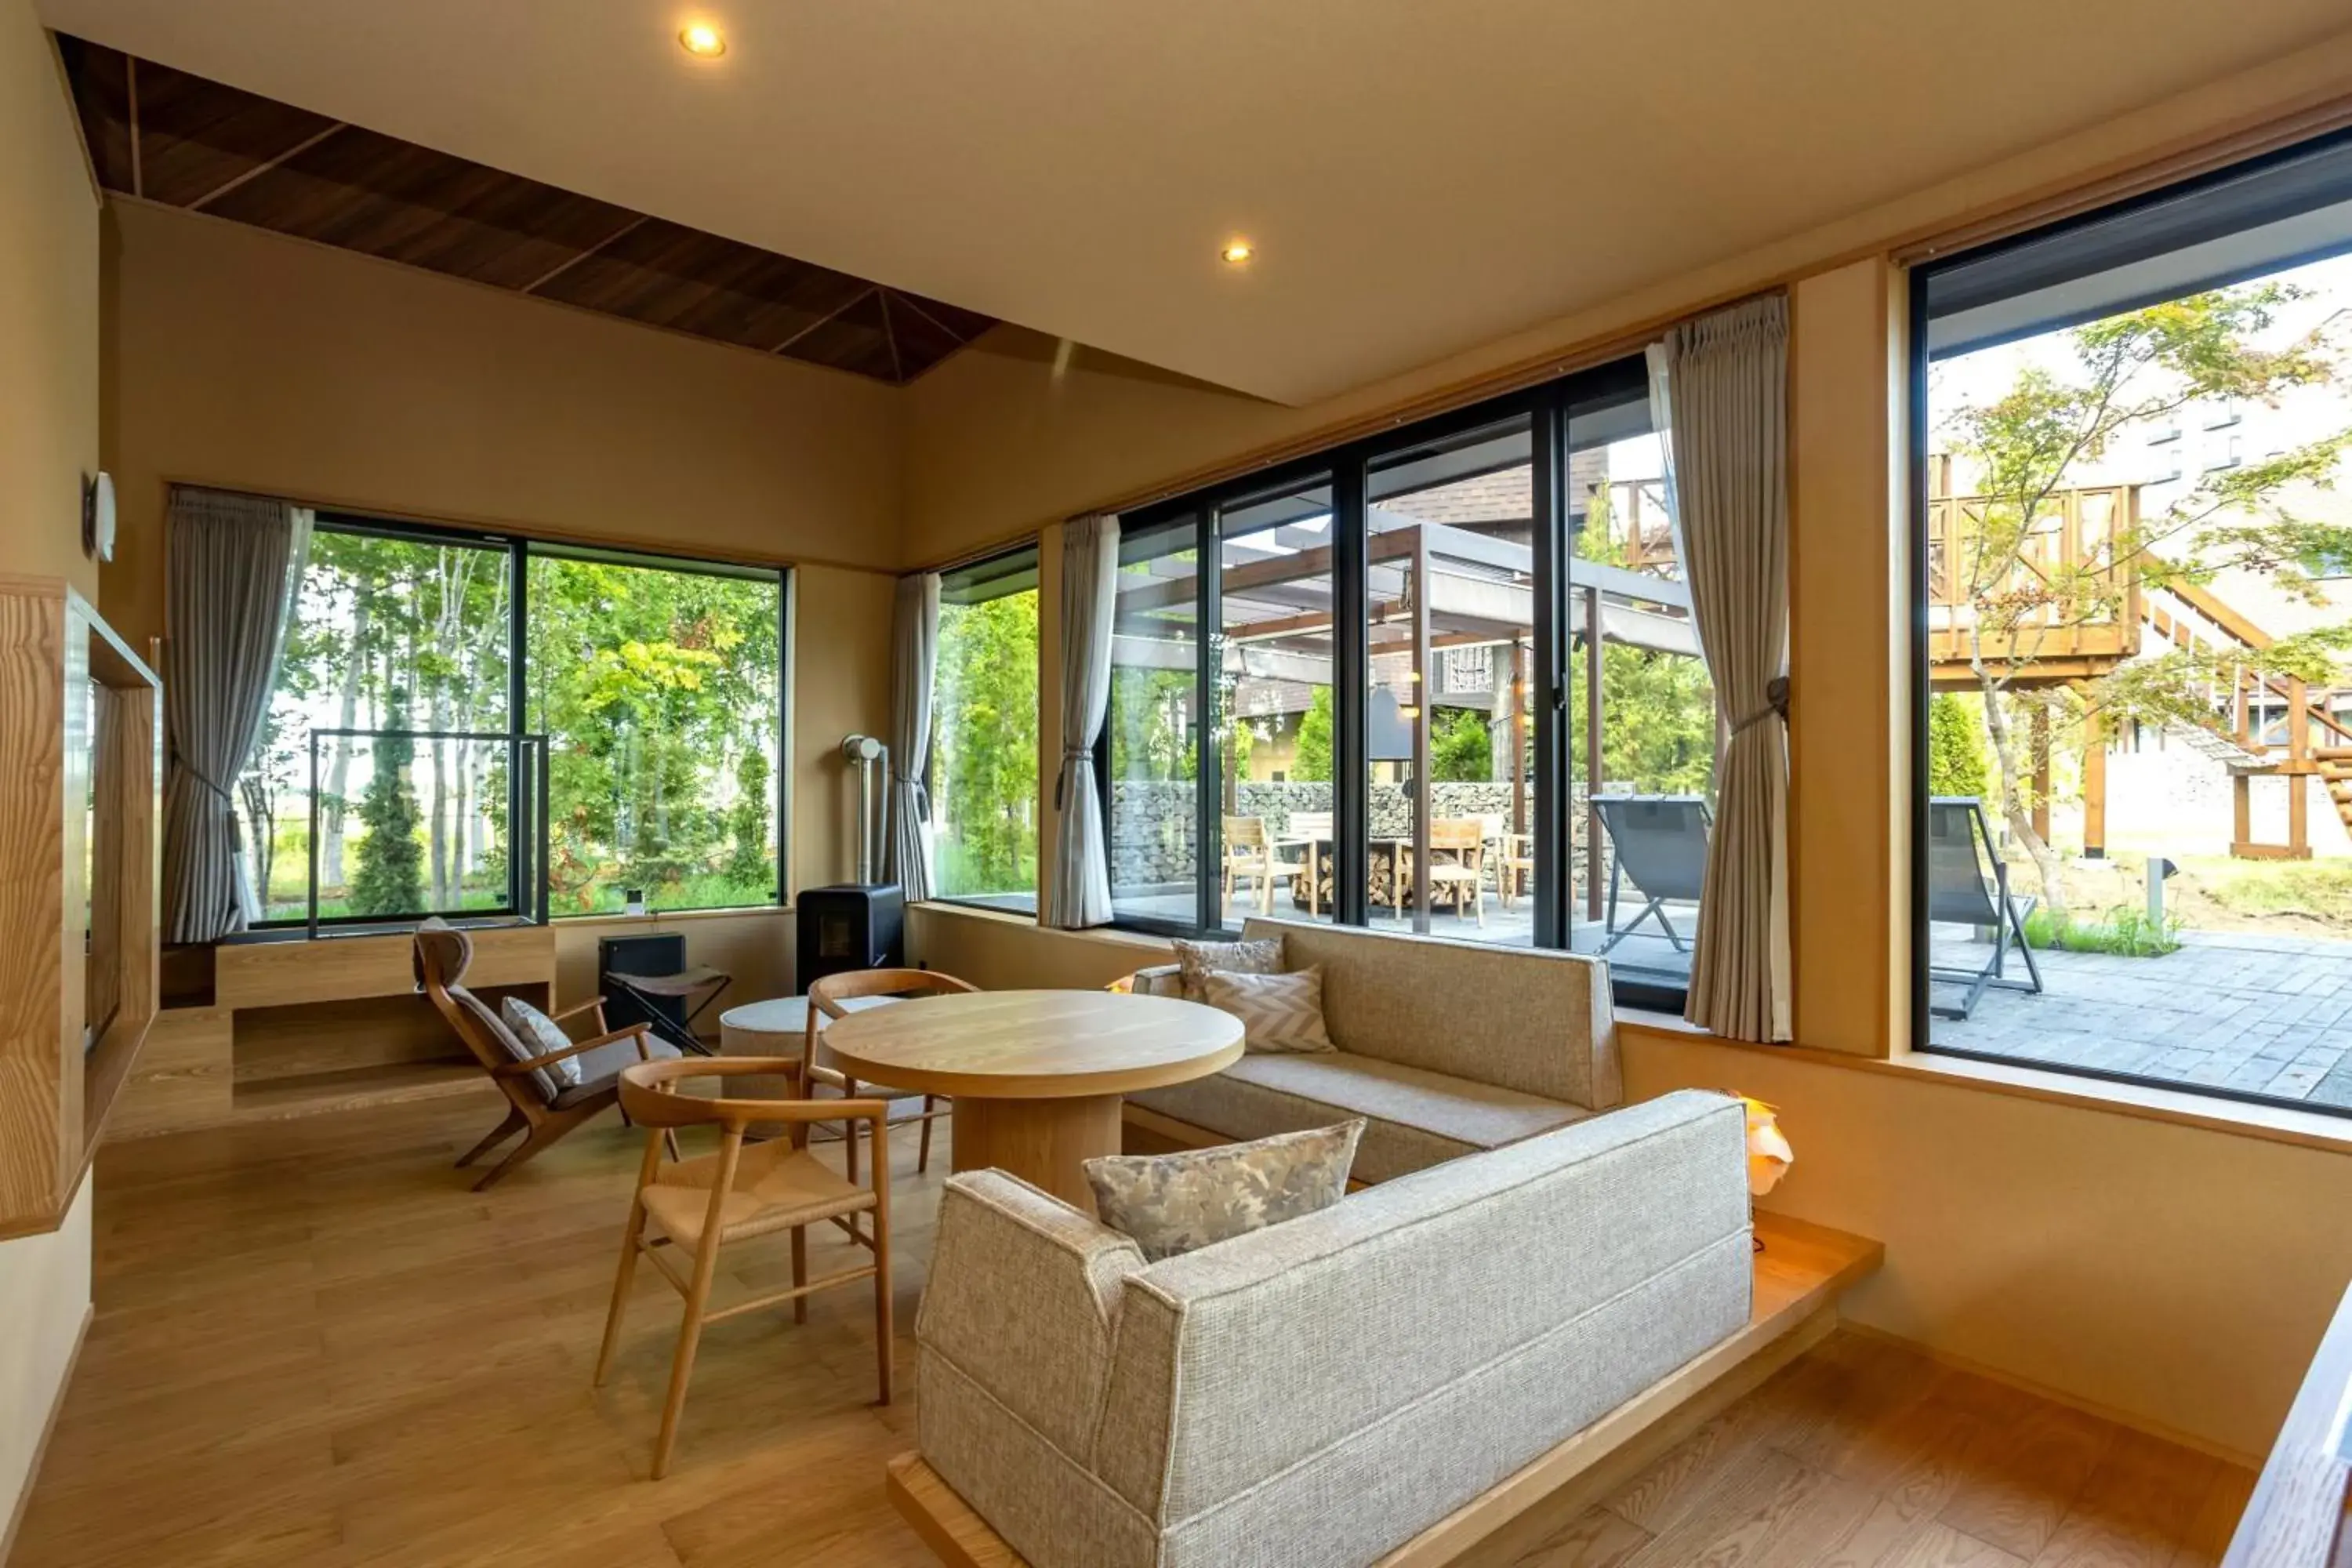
(1457, 863)
(1250, 853)
(827, 999)
(696, 1206)
(540, 1104)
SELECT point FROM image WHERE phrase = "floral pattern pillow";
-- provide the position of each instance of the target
(1172, 1204)
(1196, 959)
(1278, 1012)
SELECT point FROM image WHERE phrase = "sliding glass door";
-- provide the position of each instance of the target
(1449, 685)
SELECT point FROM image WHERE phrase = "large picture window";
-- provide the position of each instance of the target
(418, 663)
(2136, 811)
(1451, 688)
(983, 759)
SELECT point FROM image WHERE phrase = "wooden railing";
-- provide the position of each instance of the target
(2070, 554)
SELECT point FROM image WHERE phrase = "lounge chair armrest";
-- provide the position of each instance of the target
(593, 1005)
(533, 1064)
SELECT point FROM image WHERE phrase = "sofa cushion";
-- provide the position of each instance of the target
(1278, 1012)
(1183, 1201)
(1415, 1118)
(542, 1034)
(1196, 959)
(544, 1082)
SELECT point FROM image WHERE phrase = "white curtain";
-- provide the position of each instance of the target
(1078, 892)
(1723, 392)
(234, 567)
(914, 655)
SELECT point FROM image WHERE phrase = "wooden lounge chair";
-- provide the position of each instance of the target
(1659, 844)
(1967, 884)
(539, 1103)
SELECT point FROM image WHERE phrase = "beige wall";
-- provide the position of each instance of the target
(48, 438)
(2175, 1274)
(239, 358)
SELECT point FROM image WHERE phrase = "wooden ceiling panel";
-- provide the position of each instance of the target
(393, 199)
(856, 339)
(699, 283)
(184, 140)
(196, 136)
(922, 340)
(101, 78)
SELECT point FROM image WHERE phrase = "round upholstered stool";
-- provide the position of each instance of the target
(778, 1027)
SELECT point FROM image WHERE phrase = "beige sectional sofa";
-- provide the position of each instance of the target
(1316, 1394)
(1445, 1049)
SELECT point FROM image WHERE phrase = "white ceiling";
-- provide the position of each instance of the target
(1419, 176)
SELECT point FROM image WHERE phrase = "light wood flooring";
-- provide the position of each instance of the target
(314, 1346)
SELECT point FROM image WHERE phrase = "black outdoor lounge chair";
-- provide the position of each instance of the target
(1963, 891)
(1660, 844)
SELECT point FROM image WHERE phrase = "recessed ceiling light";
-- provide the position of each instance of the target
(1237, 252)
(702, 40)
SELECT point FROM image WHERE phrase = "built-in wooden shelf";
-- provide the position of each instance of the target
(80, 727)
(300, 1026)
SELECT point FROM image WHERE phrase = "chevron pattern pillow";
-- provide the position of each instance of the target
(1278, 1012)
(1175, 1203)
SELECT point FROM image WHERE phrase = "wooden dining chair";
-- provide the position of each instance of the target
(827, 997)
(696, 1206)
(1457, 863)
(1249, 852)
(540, 1104)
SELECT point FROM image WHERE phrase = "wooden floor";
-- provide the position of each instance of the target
(314, 1346)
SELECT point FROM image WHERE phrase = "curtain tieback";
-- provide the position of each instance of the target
(1776, 705)
(1061, 778)
(228, 801)
(922, 797)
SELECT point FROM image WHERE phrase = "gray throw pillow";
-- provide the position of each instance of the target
(1278, 1012)
(542, 1034)
(1195, 959)
(1176, 1202)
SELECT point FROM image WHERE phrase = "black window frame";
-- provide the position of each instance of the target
(1547, 406)
(2226, 185)
(1034, 551)
(520, 549)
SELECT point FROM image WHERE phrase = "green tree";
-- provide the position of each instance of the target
(1460, 750)
(1956, 762)
(984, 744)
(747, 820)
(2138, 368)
(390, 880)
(1310, 757)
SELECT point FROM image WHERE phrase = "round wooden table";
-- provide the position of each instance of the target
(1036, 1076)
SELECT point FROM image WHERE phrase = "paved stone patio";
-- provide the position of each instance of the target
(2248, 1012)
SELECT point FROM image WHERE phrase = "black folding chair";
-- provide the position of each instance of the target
(1660, 845)
(1961, 890)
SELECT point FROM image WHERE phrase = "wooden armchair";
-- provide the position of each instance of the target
(697, 1206)
(1457, 863)
(827, 997)
(1249, 852)
(539, 1102)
